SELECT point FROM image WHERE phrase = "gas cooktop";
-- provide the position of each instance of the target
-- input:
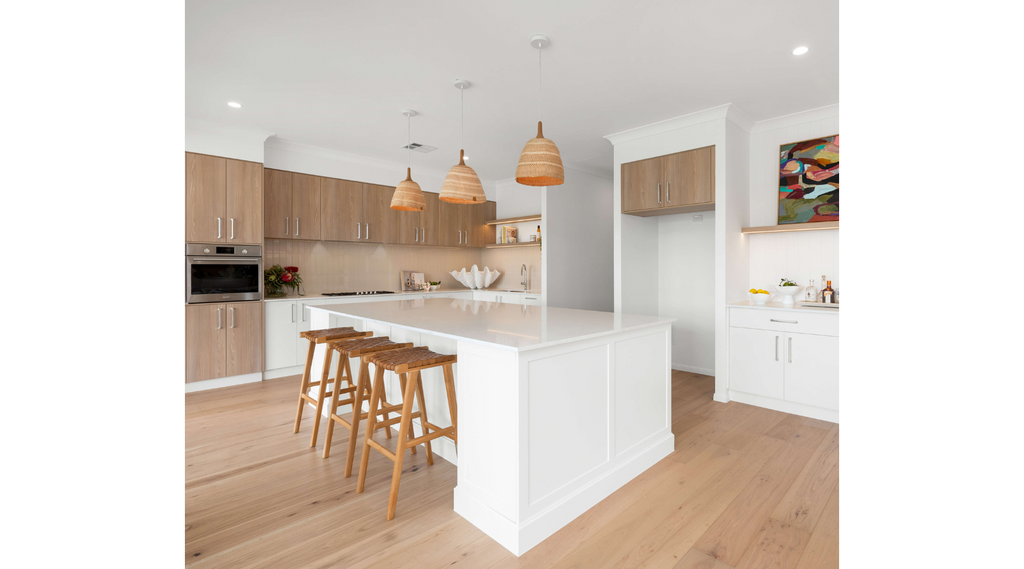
(360, 293)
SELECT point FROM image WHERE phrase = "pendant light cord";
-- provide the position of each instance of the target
(462, 115)
(540, 83)
(409, 136)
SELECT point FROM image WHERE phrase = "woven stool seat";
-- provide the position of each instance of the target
(403, 360)
(362, 346)
(321, 336)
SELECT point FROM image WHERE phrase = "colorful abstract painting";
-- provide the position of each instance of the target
(809, 181)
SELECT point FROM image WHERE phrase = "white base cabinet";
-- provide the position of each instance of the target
(530, 299)
(786, 360)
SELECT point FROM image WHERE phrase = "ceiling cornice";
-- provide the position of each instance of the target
(675, 123)
(827, 112)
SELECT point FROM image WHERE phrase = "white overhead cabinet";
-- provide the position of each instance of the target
(786, 360)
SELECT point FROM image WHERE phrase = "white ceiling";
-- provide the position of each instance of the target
(337, 74)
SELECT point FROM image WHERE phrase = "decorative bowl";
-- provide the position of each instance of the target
(475, 278)
(760, 297)
(788, 292)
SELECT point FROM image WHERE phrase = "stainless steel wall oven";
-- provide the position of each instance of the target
(219, 273)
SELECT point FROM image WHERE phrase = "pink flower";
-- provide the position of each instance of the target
(287, 277)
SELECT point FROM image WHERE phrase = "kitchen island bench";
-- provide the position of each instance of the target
(558, 408)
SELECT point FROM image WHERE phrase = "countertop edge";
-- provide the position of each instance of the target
(780, 306)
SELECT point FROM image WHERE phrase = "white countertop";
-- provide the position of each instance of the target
(397, 294)
(798, 307)
(516, 327)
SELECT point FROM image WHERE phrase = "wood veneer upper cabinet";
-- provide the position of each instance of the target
(205, 342)
(688, 177)
(306, 206)
(244, 202)
(405, 227)
(341, 209)
(675, 183)
(480, 233)
(430, 219)
(376, 205)
(205, 198)
(277, 191)
(451, 224)
(641, 183)
(244, 338)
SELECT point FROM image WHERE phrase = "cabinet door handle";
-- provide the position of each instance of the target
(232, 229)
(296, 227)
(218, 318)
(218, 228)
(231, 313)
(367, 230)
(790, 349)
(460, 237)
(668, 192)
(785, 321)
(416, 232)
(302, 310)
(423, 235)
(359, 231)
(776, 348)
(293, 313)
(286, 226)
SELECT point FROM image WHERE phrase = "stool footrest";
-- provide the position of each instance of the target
(394, 420)
(431, 436)
(383, 449)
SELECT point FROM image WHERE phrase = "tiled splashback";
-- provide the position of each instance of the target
(328, 266)
(800, 256)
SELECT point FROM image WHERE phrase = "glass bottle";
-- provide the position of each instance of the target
(821, 291)
(811, 295)
(827, 293)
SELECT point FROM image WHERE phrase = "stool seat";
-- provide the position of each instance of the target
(401, 361)
(328, 334)
(358, 347)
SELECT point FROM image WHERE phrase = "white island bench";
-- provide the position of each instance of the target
(558, 408)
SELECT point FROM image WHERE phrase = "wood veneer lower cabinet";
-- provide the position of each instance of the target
(205, 342)
(244, 330)
(223, 340)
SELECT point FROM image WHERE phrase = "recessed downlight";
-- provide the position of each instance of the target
(234, 105)
(800, 50)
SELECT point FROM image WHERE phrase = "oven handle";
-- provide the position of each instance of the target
(224, 260)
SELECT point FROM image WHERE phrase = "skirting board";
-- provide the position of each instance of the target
(285, 372)
(223, 382)
(814, 412)
(521, 538)
(694, 369)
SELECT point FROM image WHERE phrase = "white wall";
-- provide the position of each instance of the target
(515, 200)
(686, 287)
(205, 137)
(578, 236)
(797, 256)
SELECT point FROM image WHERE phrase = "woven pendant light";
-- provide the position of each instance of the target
(540, 163)
(408, 195)
(462, 185)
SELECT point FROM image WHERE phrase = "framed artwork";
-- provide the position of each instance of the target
(412, 280)
(809, 181)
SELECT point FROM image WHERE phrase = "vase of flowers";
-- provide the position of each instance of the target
(278, 278)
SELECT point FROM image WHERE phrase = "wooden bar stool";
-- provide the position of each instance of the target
(320, 337)
(358, 393)
(405, 363)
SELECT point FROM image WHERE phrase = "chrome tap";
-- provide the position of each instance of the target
(525, 274)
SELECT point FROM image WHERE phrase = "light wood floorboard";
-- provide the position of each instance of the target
(745, 487)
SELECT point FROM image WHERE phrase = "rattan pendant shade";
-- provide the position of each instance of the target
(408, 195)
(462, 185)
(540, 164)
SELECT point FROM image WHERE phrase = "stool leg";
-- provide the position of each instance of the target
(371, 420)
(453, 407)
(423, 413)
(321, 393)
(339, 371)
(357, 411)
(305, 384)
(403, 438)
(402, 380)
